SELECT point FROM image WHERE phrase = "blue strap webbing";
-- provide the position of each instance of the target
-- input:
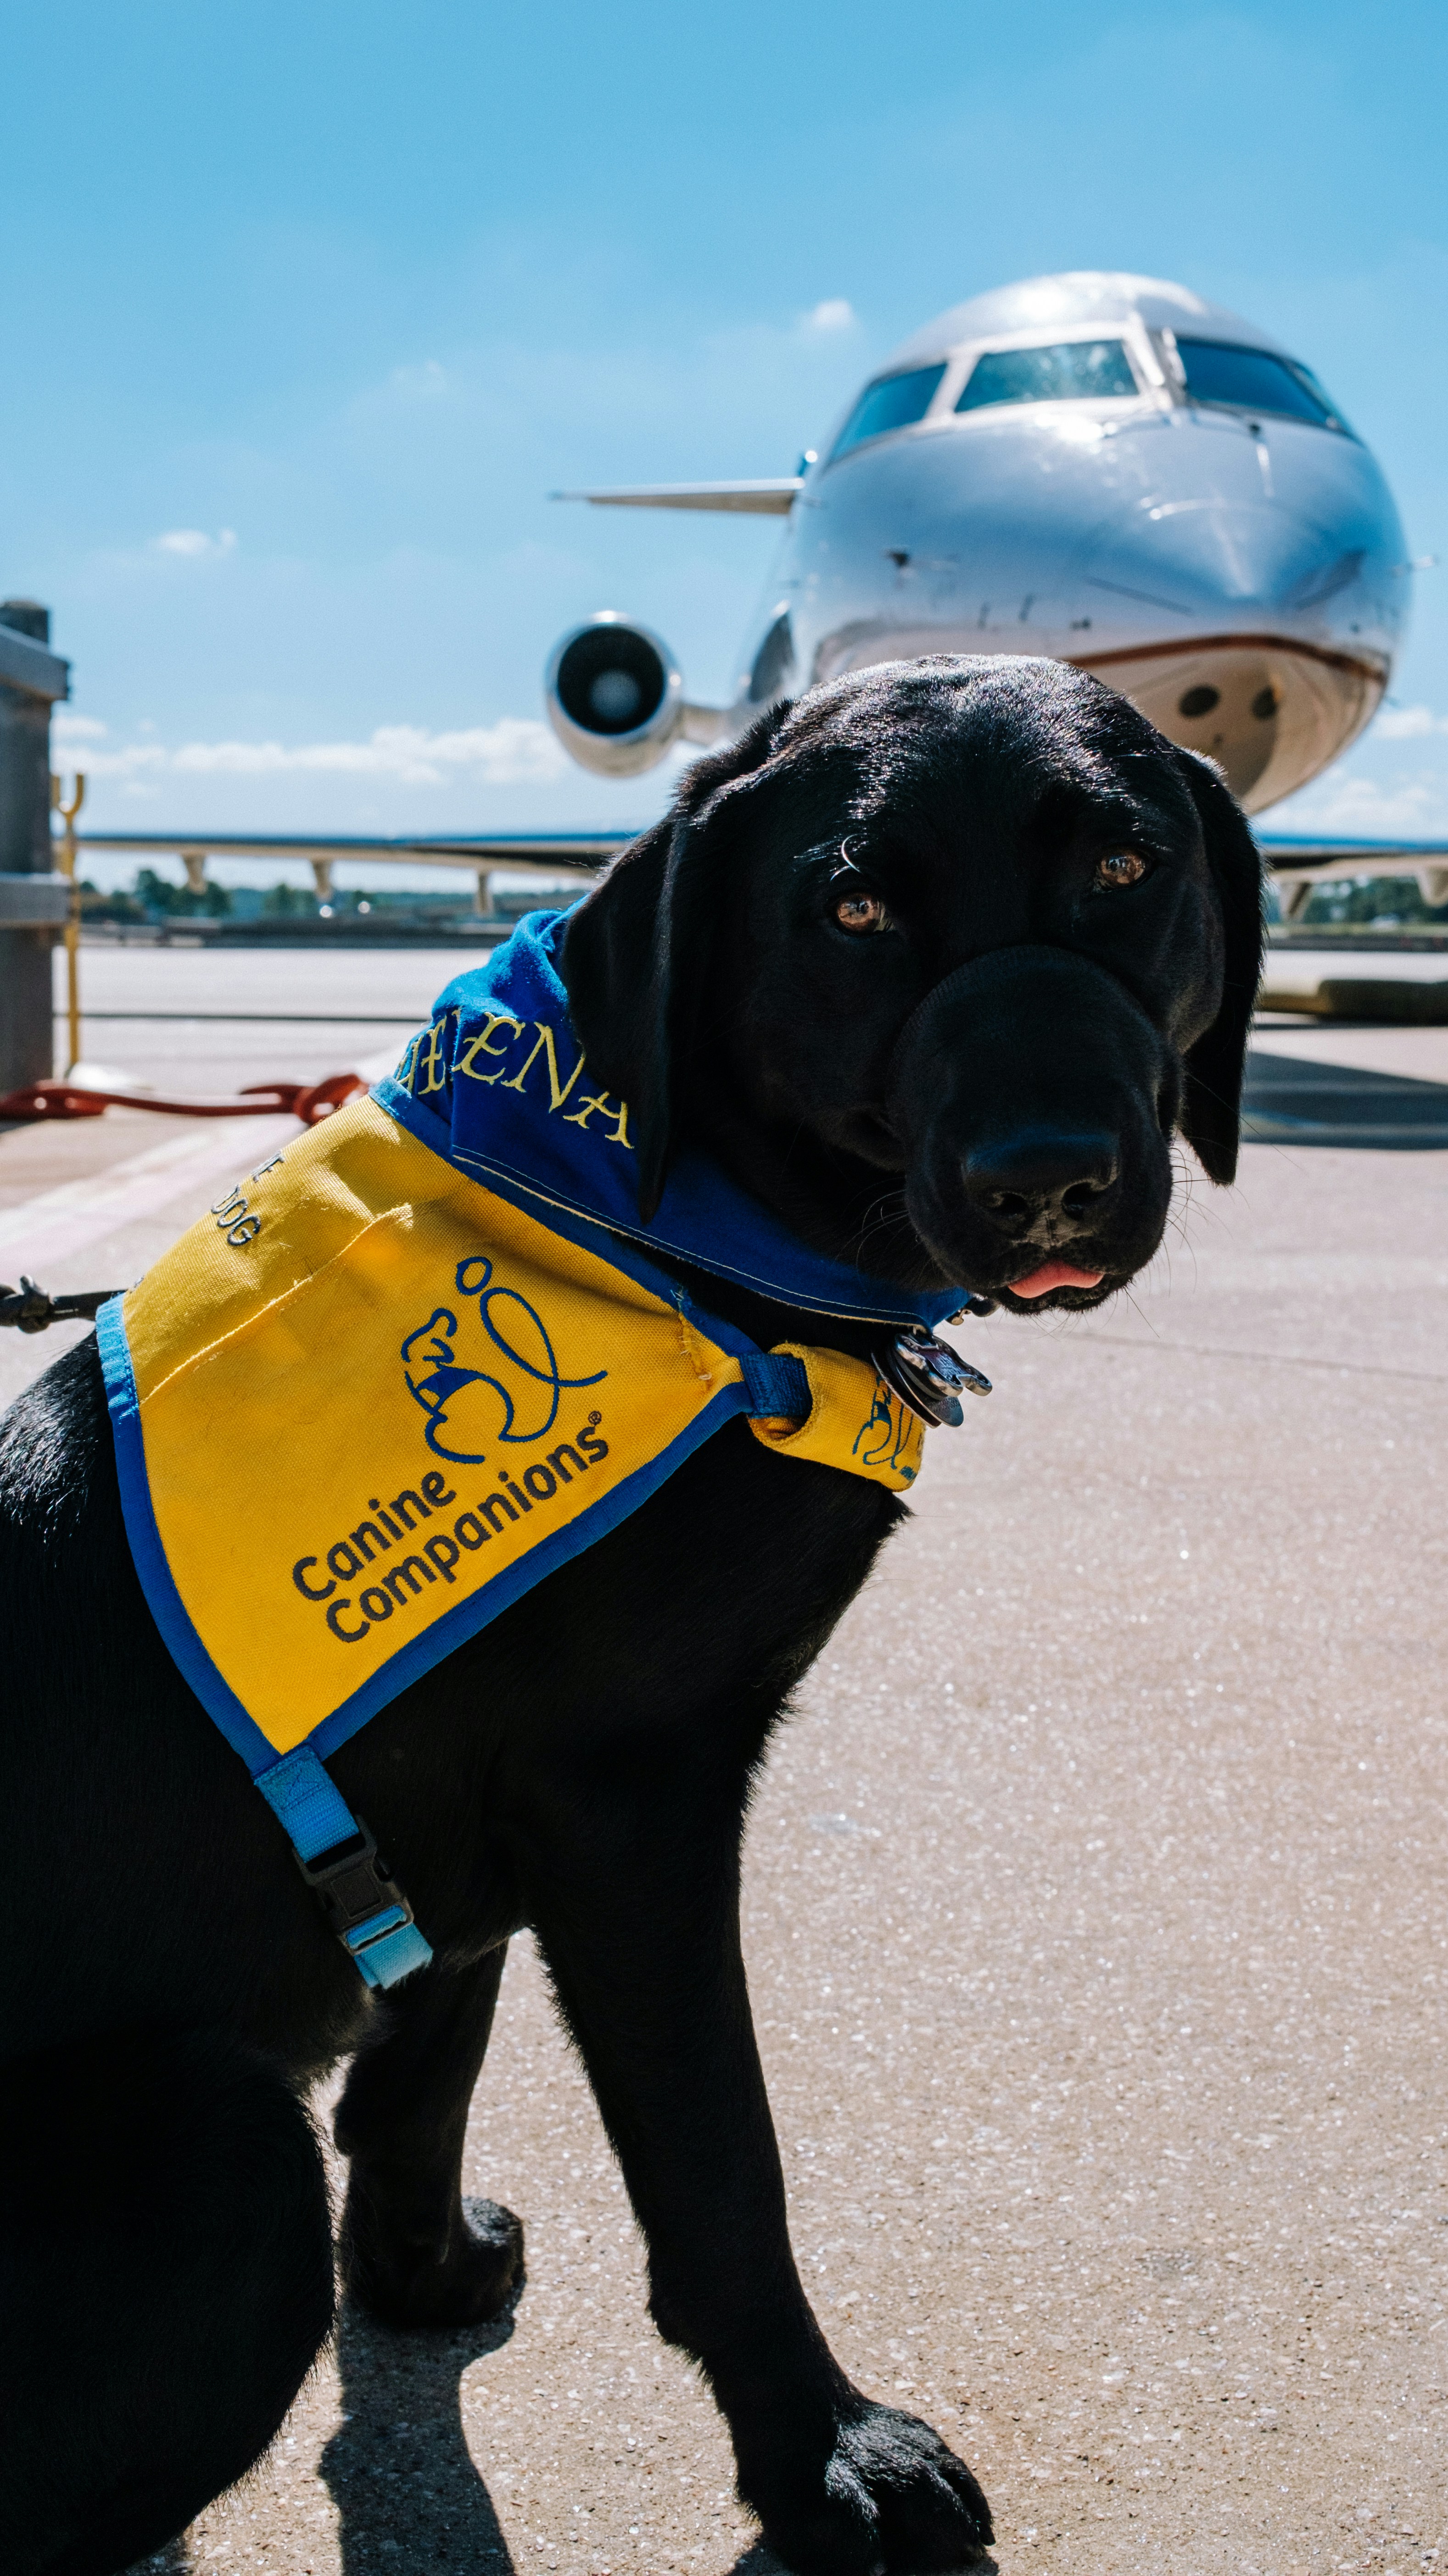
(306, 1800)
(777, 1385)
(388, 1961)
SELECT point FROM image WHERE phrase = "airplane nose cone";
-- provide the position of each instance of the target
(1200, 554)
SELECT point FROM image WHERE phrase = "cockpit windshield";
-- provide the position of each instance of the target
(1253, 380)
(891, 402)
(1066, 371)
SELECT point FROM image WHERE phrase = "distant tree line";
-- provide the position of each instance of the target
(156, 899)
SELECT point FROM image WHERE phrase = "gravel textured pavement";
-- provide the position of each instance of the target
(1096, 1927)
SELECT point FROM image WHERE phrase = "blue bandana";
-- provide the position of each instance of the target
(496, 1084)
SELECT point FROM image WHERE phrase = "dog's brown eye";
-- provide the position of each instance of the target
(1119, 868)
(861, 912)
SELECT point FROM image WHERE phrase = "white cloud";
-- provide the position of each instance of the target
(195, 542)
(67, 728)
(1370, 809)
(835, 314)
(428, 378)
(515, 751)
(1406, 724)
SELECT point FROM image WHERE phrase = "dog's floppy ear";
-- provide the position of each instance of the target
(636, 951)
(1212, 1109)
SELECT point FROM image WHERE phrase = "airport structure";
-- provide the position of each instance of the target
(34, 897)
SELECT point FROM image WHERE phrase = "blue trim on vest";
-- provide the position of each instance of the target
(511, 1140)
(759, 1395)
(306, 1802)
(162, 1598)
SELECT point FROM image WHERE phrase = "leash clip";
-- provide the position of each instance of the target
(31, 1310)
(929, 1376)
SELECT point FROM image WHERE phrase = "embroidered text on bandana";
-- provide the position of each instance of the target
(498, 1083)
(368, 1402)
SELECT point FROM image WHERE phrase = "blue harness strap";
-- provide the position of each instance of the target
(337, 1857)
(777, 1385)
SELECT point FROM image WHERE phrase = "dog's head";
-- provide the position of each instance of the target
(936, 961)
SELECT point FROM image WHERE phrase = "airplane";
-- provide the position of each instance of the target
(1098, 467)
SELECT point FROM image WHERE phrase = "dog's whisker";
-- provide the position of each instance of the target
(1138, 1309)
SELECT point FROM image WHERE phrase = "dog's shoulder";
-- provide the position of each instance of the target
(56, 1457)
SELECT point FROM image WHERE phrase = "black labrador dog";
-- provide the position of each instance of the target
(936, 962)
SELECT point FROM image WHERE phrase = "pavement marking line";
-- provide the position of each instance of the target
(65, 1220)
(68, 1219)
(1263, 1359)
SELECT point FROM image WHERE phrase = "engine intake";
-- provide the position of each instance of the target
(615, 696)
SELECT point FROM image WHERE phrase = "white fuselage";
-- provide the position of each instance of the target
(1107, 470)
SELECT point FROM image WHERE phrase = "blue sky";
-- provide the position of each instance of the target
(308, 308)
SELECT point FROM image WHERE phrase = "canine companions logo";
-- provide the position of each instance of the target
(886, 1436)
(445, 1387)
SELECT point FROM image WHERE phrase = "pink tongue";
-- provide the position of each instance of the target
(1055, 1274)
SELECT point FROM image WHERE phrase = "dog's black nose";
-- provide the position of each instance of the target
(1046, 1183)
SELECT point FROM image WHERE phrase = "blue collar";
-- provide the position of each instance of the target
(497, 1086)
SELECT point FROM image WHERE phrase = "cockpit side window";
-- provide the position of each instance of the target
(1254, 380)
(891, 402)
(1067, 371)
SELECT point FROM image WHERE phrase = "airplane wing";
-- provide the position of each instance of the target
(585, 852)
(770, 498)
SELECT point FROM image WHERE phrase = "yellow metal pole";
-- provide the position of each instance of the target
(68, 815)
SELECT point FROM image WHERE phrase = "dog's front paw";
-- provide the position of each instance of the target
(466, 2280)
(891, 2497)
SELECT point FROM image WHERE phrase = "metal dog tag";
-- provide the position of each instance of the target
(928, 1376)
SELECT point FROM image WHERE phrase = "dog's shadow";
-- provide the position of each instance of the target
(409, 2499)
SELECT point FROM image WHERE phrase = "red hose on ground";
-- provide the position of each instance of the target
(309, 1101)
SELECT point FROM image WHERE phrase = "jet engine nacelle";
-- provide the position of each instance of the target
(615, 696)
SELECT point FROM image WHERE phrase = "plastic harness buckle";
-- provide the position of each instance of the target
(359, 1895)
(337, 1856)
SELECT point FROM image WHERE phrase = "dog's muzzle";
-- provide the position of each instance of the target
(1035, 1100)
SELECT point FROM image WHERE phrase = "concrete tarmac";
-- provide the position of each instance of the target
(1096, 1928)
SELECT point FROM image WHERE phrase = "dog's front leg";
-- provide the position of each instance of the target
(410, 2249)
(638, 1917)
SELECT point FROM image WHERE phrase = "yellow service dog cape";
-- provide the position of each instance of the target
(418, 1360)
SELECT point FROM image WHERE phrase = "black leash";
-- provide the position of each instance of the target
(31, 1310)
